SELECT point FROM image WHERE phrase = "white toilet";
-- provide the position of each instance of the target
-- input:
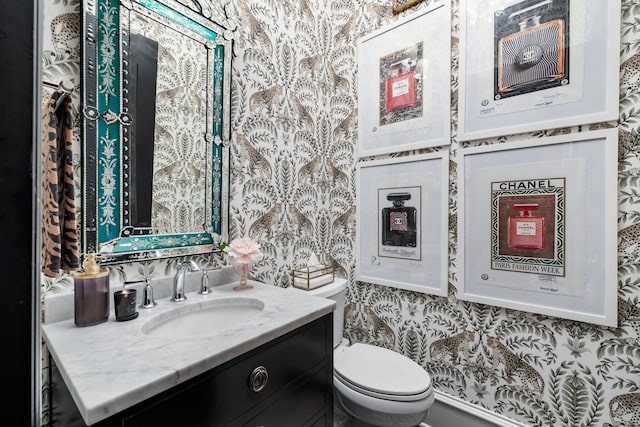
(374, 385)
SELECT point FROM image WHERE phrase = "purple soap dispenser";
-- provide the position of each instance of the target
(91, 294)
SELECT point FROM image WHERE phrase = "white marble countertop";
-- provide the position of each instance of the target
(114, 365)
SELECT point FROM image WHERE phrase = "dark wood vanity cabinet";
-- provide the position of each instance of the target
(298, 389)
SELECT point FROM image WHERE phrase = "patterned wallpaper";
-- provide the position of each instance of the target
(294, 126)
(179, 157)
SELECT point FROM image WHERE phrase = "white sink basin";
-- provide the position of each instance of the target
(204, 318)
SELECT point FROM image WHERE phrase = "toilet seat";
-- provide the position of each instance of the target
(381, 373)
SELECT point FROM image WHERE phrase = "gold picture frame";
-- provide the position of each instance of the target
(400, 5)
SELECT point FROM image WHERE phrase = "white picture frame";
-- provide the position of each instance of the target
(502, 93)
(560, 261)
(404, 94)
(413, 257)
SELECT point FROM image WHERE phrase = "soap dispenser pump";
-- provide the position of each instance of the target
(91, 293)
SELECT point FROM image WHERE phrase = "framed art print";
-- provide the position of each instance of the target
(402, 222)
(403, 83)
(529, 65)
(537, 225)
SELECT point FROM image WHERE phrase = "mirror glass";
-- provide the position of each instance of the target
(156, 130)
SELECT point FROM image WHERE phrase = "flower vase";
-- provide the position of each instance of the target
(242, 269)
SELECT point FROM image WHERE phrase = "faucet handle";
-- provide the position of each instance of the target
(147, 292)
(204, 283)
(147, 295)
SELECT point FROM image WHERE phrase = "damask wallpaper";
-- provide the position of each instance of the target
(294, 130)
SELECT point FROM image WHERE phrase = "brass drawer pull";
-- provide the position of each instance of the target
(258, 379)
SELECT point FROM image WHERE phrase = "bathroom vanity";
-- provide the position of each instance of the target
(273, 367)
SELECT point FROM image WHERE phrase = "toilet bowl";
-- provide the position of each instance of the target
(381, 387)
(376, 386)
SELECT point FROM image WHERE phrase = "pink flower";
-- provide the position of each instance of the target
(244, 251)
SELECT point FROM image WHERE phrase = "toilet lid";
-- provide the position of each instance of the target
(381, 371)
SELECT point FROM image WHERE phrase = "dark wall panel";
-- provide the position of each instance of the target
(17, 47)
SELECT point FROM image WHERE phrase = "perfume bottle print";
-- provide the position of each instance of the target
(399, 222)
(525, 230)
(532, 47)
(401, 88)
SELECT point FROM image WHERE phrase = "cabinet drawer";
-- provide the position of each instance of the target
(299, 406)
(284, 361)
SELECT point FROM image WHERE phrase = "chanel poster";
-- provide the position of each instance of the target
(527, 226)
(404, 83)
(401, 85)
(532, 227)
(532, 50)
(537, 225)
(529, 65)
(401, 224)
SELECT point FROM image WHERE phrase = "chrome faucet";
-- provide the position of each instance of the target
(178, 280)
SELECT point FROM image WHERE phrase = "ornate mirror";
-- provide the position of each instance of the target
(155, 129)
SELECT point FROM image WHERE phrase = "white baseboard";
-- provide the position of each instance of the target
(450, 411)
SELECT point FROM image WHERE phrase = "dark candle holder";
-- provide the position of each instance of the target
(125, 304)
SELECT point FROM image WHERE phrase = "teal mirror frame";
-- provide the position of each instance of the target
(105, 180)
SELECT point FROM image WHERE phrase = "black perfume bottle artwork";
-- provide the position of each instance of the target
(532, 47)
(399, 222)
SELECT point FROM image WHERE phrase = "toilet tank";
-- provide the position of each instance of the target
(337, 292)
